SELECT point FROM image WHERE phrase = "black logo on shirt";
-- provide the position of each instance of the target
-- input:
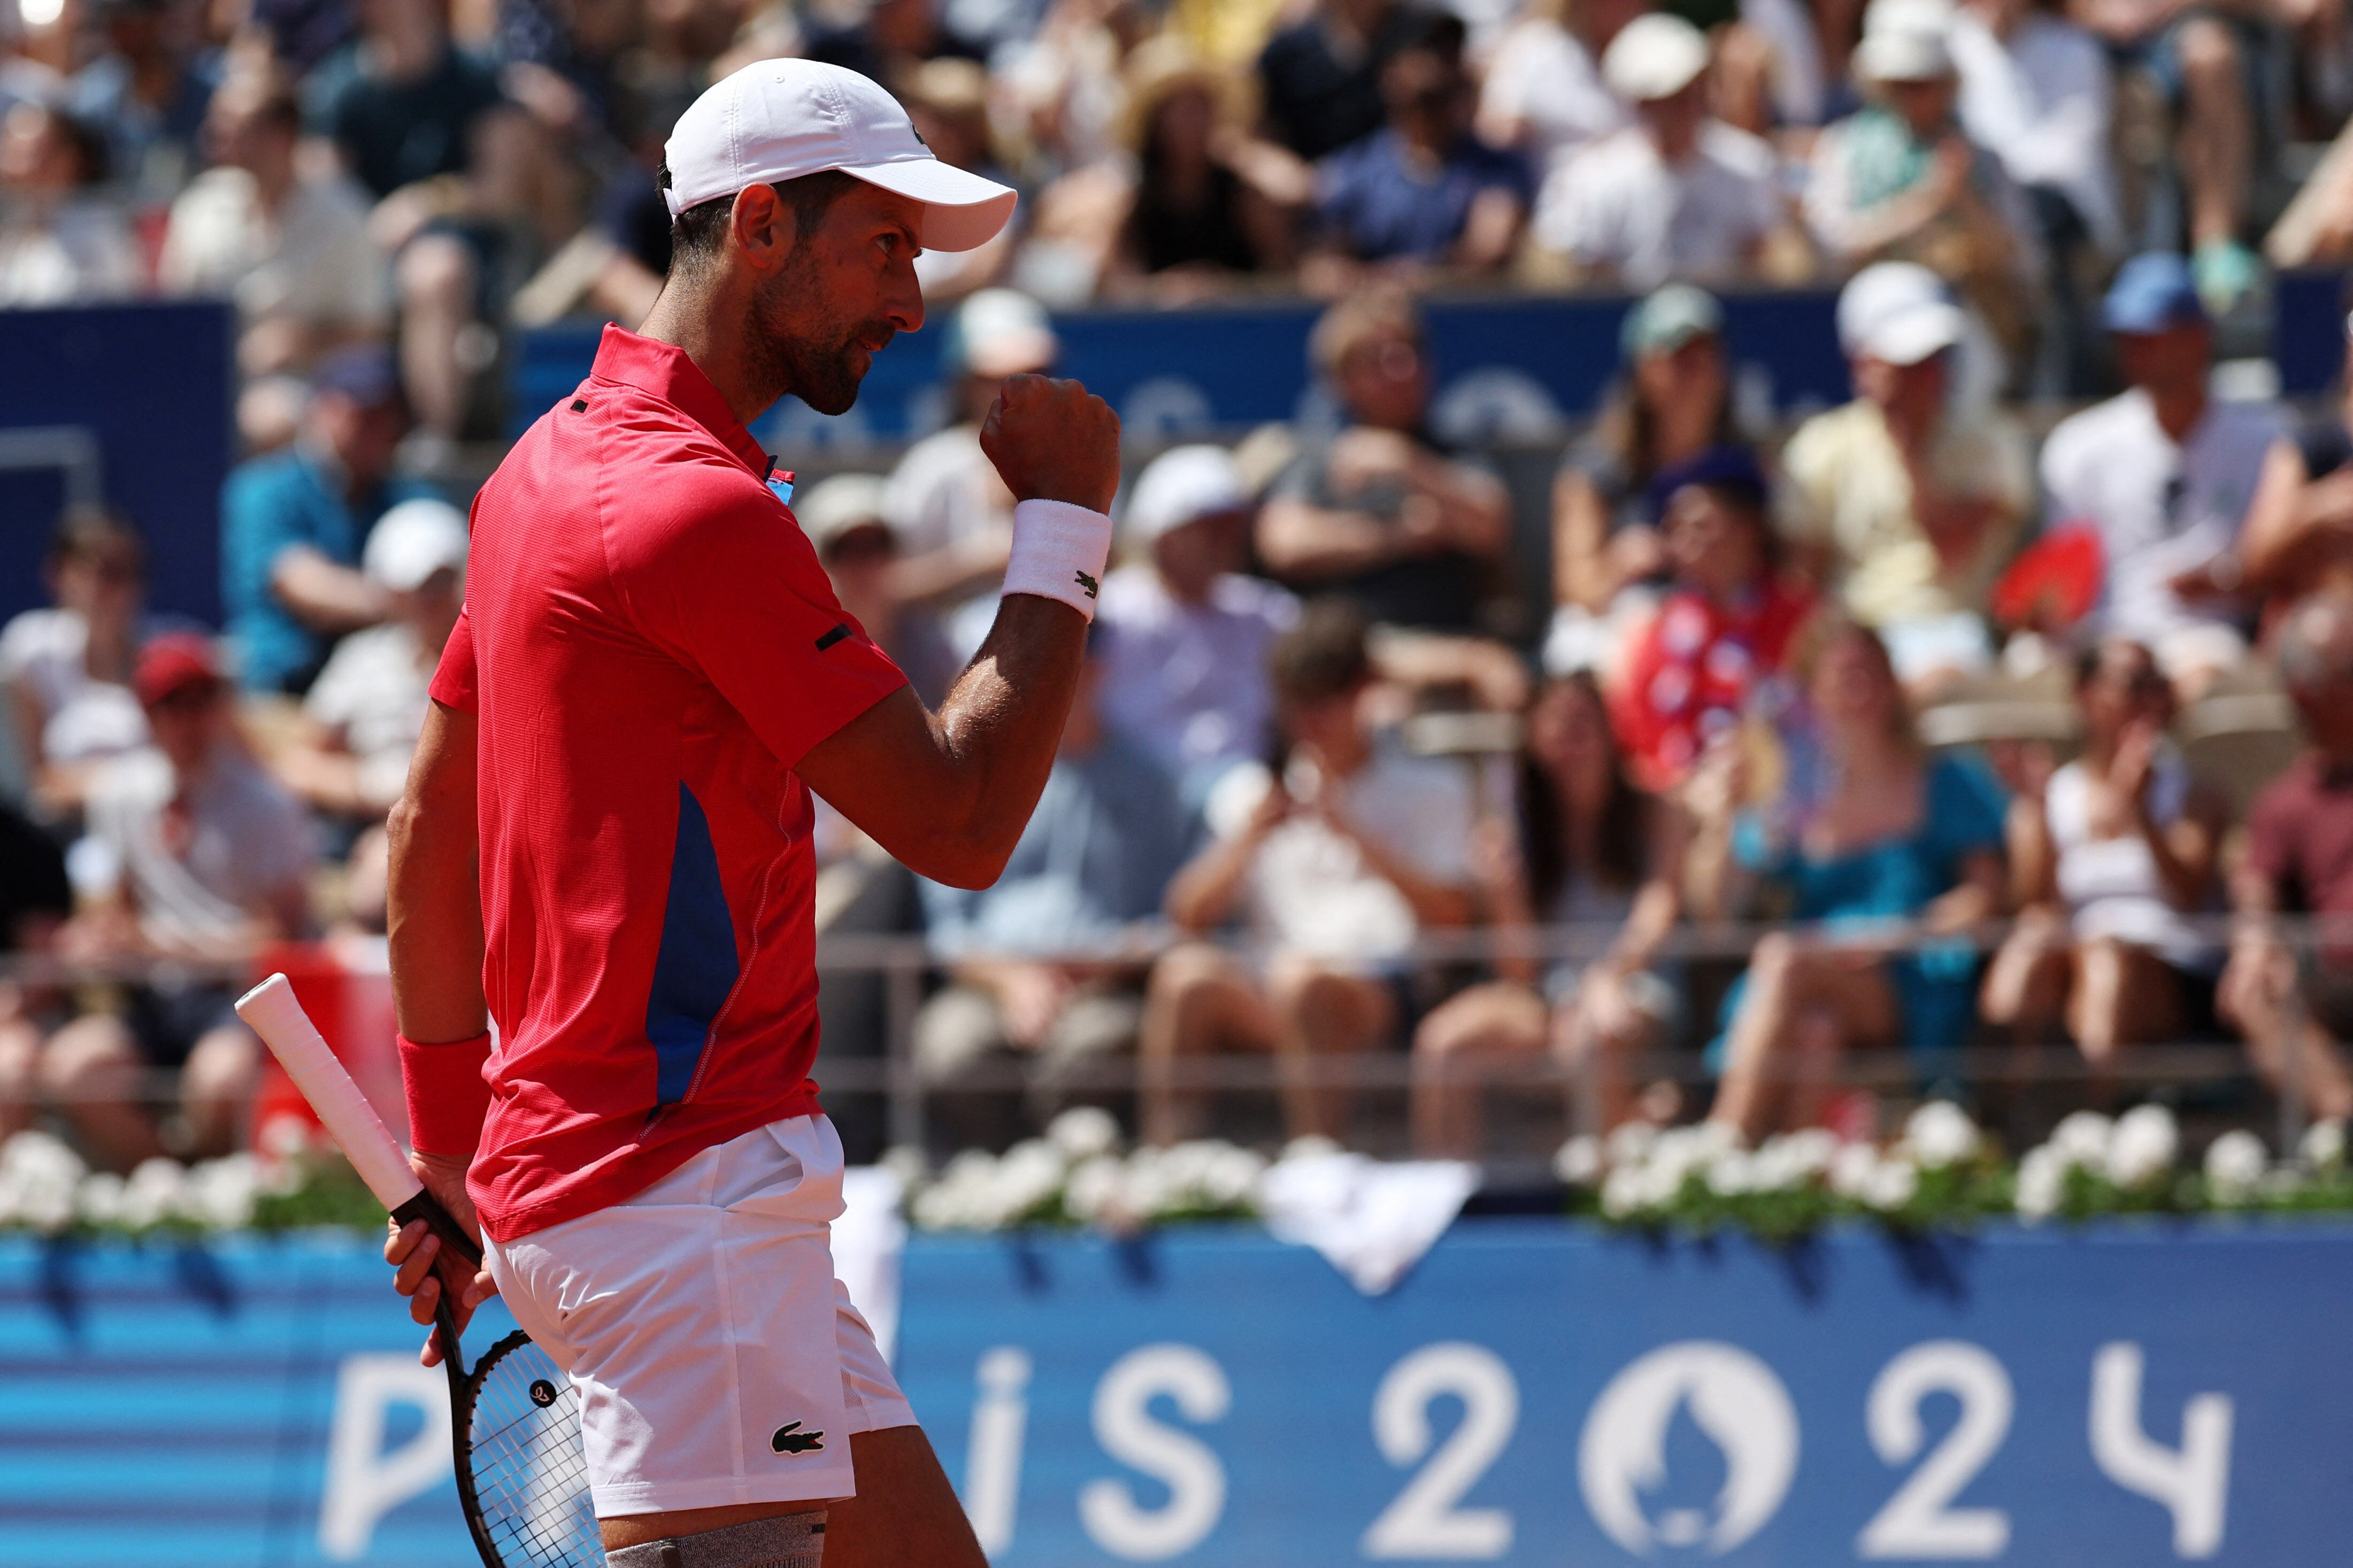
(791, 1439)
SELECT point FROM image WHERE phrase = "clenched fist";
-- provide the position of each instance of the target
(1053, 440)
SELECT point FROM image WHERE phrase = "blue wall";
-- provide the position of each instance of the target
(1533, 1393)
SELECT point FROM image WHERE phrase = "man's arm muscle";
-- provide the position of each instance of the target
(432, 897)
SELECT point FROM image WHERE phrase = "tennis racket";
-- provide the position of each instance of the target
(523, 1479)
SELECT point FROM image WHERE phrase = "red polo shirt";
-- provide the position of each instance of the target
(650, 646)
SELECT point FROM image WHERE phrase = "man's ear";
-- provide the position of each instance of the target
(763, 228)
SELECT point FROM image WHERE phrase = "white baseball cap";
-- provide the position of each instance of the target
(1185, 485)
(780, 119)
(412, 541)
(1653, 56)
(1899, 312)
(1910, 47)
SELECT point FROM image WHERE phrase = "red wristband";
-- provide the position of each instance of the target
(448, 1092)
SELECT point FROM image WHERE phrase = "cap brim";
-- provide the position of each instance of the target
(962, 211)
(1919, 334)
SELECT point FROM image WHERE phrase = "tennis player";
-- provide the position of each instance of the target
(651, 677)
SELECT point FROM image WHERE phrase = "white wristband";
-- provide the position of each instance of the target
(1058, 553)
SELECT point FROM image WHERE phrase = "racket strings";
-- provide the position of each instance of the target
(530, 1474)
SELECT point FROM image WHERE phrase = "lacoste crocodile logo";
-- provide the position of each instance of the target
(1086, 582)
(791, 1439)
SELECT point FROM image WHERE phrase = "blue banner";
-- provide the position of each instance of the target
(126, 407)
(1514, 369)
(1533, 1393)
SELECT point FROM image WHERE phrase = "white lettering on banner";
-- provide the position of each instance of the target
(1734, 1400)
(1919, 1520)
(1424, 1522)
(363, 1482)
(1124, 1425)
(992, 1470)
(2193, 1481)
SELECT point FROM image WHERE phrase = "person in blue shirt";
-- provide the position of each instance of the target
(292, 523)
(1035, 962)
(1883, 857)
(1423, 190)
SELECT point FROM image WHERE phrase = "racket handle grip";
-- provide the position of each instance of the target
(426, 1207)
(273, 1011)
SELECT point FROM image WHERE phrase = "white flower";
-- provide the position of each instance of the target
(1682, 1152)
(1025, 1180)
(2082, 1139)
(1850, 1170)
(45, 1206)
(158, 1191)
(1092, 1192)
(1083, 1132)
(1624, 1191)
(1731, 1173)
(2322, 1146)
(1795, 1159)
(1578, 1162)
(2235, 1163)
(1891, 1185)
(909, 1165)
(2041, 1183)
(1940, 1134)
(1309, 1146)
(2143, 1147)
(221, 1192)
(99, 1199)
(34, 1156)
(1232, 1176)
(1631, 1143)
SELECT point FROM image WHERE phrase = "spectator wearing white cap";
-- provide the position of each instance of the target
(1544, 92)
(1186, 679)
(367, 707)
(1677, 195)
(850, 531)
(952, 515)
(1904, 503)
(1901, 180)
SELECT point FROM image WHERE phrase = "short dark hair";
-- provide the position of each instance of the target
(1324, 656)
(697, 234)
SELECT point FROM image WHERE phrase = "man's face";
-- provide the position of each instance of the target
(362, 436)
(2175, 357)
(842, 294)
(1192, 555)
(1926, 106)
(1674, 122)
(1910, 395)
(1384, 382)
(188, 724)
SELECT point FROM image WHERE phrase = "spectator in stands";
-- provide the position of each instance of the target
(1672, 401)
(1869, 836)
(147, 92)
(2036, 92)
(1421, 192)
(1593, 852)
(1378, 513)
(2298, 536)
(1544, 95)
(947, 101)
(1208, 202)
(290, 248)
(455, 173)
(848, 527)
(209, 859)
(2195, 58)
(1678, 194)
(1905, 504)
(67, 668)
(1035, 962)
(62, 242)
(1337, 863)
(1714, 654)
(2296, 1009)
(1321, 76)
(2166, 472)
(35, 899)
(1901, 180)
(2108, 856)
(1185, 676)
(887, 38)
(367, 708)
(952, 515)
(292, 523)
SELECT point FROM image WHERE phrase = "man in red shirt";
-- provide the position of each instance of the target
(652, 675)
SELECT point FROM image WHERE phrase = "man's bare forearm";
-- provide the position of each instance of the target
(433, 895)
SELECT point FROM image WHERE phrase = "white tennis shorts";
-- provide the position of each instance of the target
(717, 1359)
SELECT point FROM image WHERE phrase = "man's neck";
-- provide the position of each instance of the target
(688, 317)
(2178, 409)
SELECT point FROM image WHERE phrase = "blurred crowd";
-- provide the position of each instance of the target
(2014, 732)
(439, 173)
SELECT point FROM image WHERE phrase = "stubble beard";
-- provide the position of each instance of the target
(812, 352)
